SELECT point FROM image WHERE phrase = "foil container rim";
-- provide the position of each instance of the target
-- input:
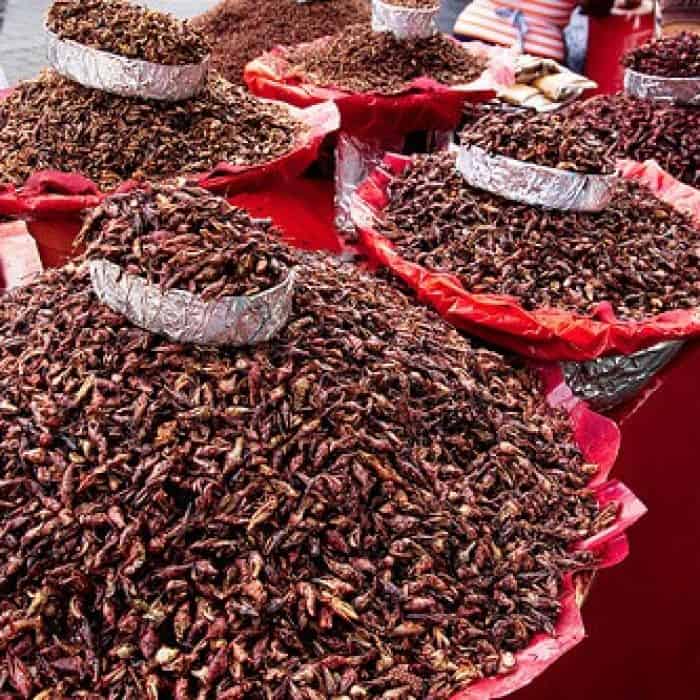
(291, 272)
(392, 7)
(287, 285)
(138, 61)
(495, 160)
(674, 80)
(98, 69)
(659, 88)
(404, 22)
(541, 168)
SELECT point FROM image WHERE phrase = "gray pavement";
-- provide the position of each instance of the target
(22, 53)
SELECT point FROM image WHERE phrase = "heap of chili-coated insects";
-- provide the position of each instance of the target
(233, 27)
(643, 129)
(360, 60)
(366, 507)
(122, 28)
(639, 253)
(53, 123)
(544, 139)
(177, 239)
(671, 57)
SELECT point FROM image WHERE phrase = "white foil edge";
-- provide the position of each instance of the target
(685, 91)
(184, 317)
(404, 22)
(532, 184)
(127, 77)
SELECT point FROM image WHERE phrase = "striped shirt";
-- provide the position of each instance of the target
(545, 19)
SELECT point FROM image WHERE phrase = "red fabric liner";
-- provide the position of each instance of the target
(425, 104)
(542, 334)
(53, 193)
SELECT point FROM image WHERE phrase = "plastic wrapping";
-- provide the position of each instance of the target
(533, 184)
(128, 77)
(544, 334)
(424, 105)
(355, 159)
(608, 381)
(53, 193)
(684, 91)
(186, 318)
(404, 22)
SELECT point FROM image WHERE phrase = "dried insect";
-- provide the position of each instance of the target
(53, 123)
(119, 27)
(361, 60)
(639, 253)
(368, 506)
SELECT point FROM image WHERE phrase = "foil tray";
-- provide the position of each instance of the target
(183, 317)
(683, 91)
(608, 381)
(404, 22)
(127, 77)
(532, 184)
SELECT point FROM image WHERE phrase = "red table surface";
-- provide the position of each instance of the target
(642, 617)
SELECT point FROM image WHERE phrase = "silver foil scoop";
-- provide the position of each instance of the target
(128, 77)
(404, 22)
(533, 184)
(184, 317)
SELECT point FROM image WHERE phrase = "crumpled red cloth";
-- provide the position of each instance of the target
(543, 334)
(53, 193)
(424, 105)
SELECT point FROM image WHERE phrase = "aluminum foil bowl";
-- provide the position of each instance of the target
(608, 381)
(127, 77)
(186, 318)
(532, 184)
(404, 22)
(685, 91)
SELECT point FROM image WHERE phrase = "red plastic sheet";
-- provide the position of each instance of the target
(425, 105)
(543, 334)
(643, 618)
(52, 193)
